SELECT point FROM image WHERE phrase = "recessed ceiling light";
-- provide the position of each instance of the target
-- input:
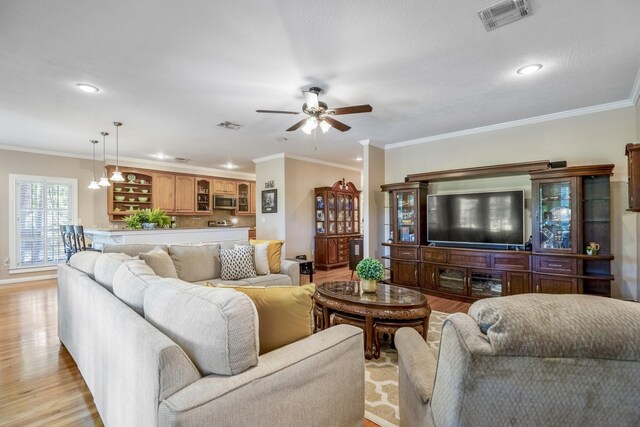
(358, 159)
(229, 165)
(529, 69)
(85, 87)
(161, 156)
(282, 139)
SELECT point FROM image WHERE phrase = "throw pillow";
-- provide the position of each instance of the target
(260, 258)
(274, 253)
(160, 262)
(196, 262)
(285, 313)
(237, 263)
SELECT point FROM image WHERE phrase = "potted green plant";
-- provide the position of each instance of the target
(370, 270)
(148, 219)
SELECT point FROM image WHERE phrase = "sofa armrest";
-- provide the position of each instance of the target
(417, 361)
(291, 269)
(326, 368)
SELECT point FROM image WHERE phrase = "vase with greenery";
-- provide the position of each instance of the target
(370, 270)
(148, 219)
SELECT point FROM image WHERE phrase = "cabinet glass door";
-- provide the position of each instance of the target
(331, 212)
(243, 198)
(405, 216)
(554, 215)
(451, 280)
(486, 283)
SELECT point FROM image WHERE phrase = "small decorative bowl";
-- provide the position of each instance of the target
(119, 198)
(131, 199)
(145, 190)
(118, 189)
(142, 199)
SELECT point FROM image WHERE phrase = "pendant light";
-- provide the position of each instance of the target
(104, 182)
(117, 175)
(93, 185)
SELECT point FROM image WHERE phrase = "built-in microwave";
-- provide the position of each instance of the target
(224, 202)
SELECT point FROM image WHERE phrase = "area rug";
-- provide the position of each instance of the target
(381, 378)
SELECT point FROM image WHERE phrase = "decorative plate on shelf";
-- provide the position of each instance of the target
(561, 214)
(131, 178)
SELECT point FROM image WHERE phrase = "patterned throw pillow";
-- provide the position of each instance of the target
(237, 263)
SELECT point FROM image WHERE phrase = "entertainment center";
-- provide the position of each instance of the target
(476, 250)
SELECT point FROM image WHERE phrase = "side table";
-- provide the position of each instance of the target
(306, 267)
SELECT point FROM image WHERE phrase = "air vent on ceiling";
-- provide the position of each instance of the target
(181, 160)
(229, 125)
(504, 13)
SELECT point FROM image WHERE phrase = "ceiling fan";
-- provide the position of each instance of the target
(319, 114)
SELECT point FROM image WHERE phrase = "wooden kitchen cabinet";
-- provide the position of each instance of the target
(224, 186)
(185, 194)
(252, 198)
(246, 198)
(164, 191)
(203, 195)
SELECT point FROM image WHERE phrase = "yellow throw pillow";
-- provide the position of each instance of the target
(285, 313)
(274, 253)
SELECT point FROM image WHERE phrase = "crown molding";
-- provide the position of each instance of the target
(506, 125)
(130, 161)
(635, 91)
(306, 159)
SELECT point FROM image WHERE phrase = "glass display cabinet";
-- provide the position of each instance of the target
(555, 216)
(337, 220)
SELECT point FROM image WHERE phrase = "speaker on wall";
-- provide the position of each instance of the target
(560, 164)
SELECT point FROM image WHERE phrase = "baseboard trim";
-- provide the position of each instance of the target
(27, 279)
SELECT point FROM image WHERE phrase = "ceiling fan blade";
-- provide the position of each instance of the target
(277, 112)
(336, 124)
(353, 109)
(297, 125)
(310, 98)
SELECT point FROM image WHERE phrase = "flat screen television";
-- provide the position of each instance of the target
(476, 219)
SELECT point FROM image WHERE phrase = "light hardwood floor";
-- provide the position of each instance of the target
(39, 381)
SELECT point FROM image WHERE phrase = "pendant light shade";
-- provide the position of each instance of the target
(325, 126)
(93, 185)
(104, 182)
(117, 175)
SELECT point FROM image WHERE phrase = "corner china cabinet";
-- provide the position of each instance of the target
(337, 221)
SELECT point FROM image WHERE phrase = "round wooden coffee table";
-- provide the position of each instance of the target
(387, 310)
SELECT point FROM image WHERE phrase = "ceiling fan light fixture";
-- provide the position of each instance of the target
(310, 125)
(325, 126)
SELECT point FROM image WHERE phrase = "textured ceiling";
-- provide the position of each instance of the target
(172, 70)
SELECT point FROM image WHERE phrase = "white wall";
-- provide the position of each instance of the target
(373, 200)
(271, 225)
(588, 139)
(301, 178)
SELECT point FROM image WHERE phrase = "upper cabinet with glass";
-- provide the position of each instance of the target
(408, 202)
(555, 215)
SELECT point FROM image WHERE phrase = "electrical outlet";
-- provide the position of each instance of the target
(313, 252)
(6, 262)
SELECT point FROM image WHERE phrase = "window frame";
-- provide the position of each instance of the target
(13, 207)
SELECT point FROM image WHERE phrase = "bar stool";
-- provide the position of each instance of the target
(78, 231)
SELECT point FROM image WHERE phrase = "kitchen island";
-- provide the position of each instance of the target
(166, 236)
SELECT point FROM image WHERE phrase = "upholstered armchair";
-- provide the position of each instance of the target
(526, 360)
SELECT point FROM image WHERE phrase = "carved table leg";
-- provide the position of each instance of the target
(425, 327)
(368, 337)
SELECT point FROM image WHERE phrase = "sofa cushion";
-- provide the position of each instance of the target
(545, 325)
(274, 253)
(194, 263)
(237, 263)
(131, 282)
(217, 328)
(133, 249)
(160, 262)
(270, 280)
(106, 267)
(284, 313)
(85, 261)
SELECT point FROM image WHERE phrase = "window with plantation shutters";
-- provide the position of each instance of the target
(42, 204)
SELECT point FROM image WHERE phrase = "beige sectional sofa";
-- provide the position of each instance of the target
(161, 351)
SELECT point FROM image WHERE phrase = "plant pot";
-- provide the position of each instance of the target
(149, 225)
(368, 286)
